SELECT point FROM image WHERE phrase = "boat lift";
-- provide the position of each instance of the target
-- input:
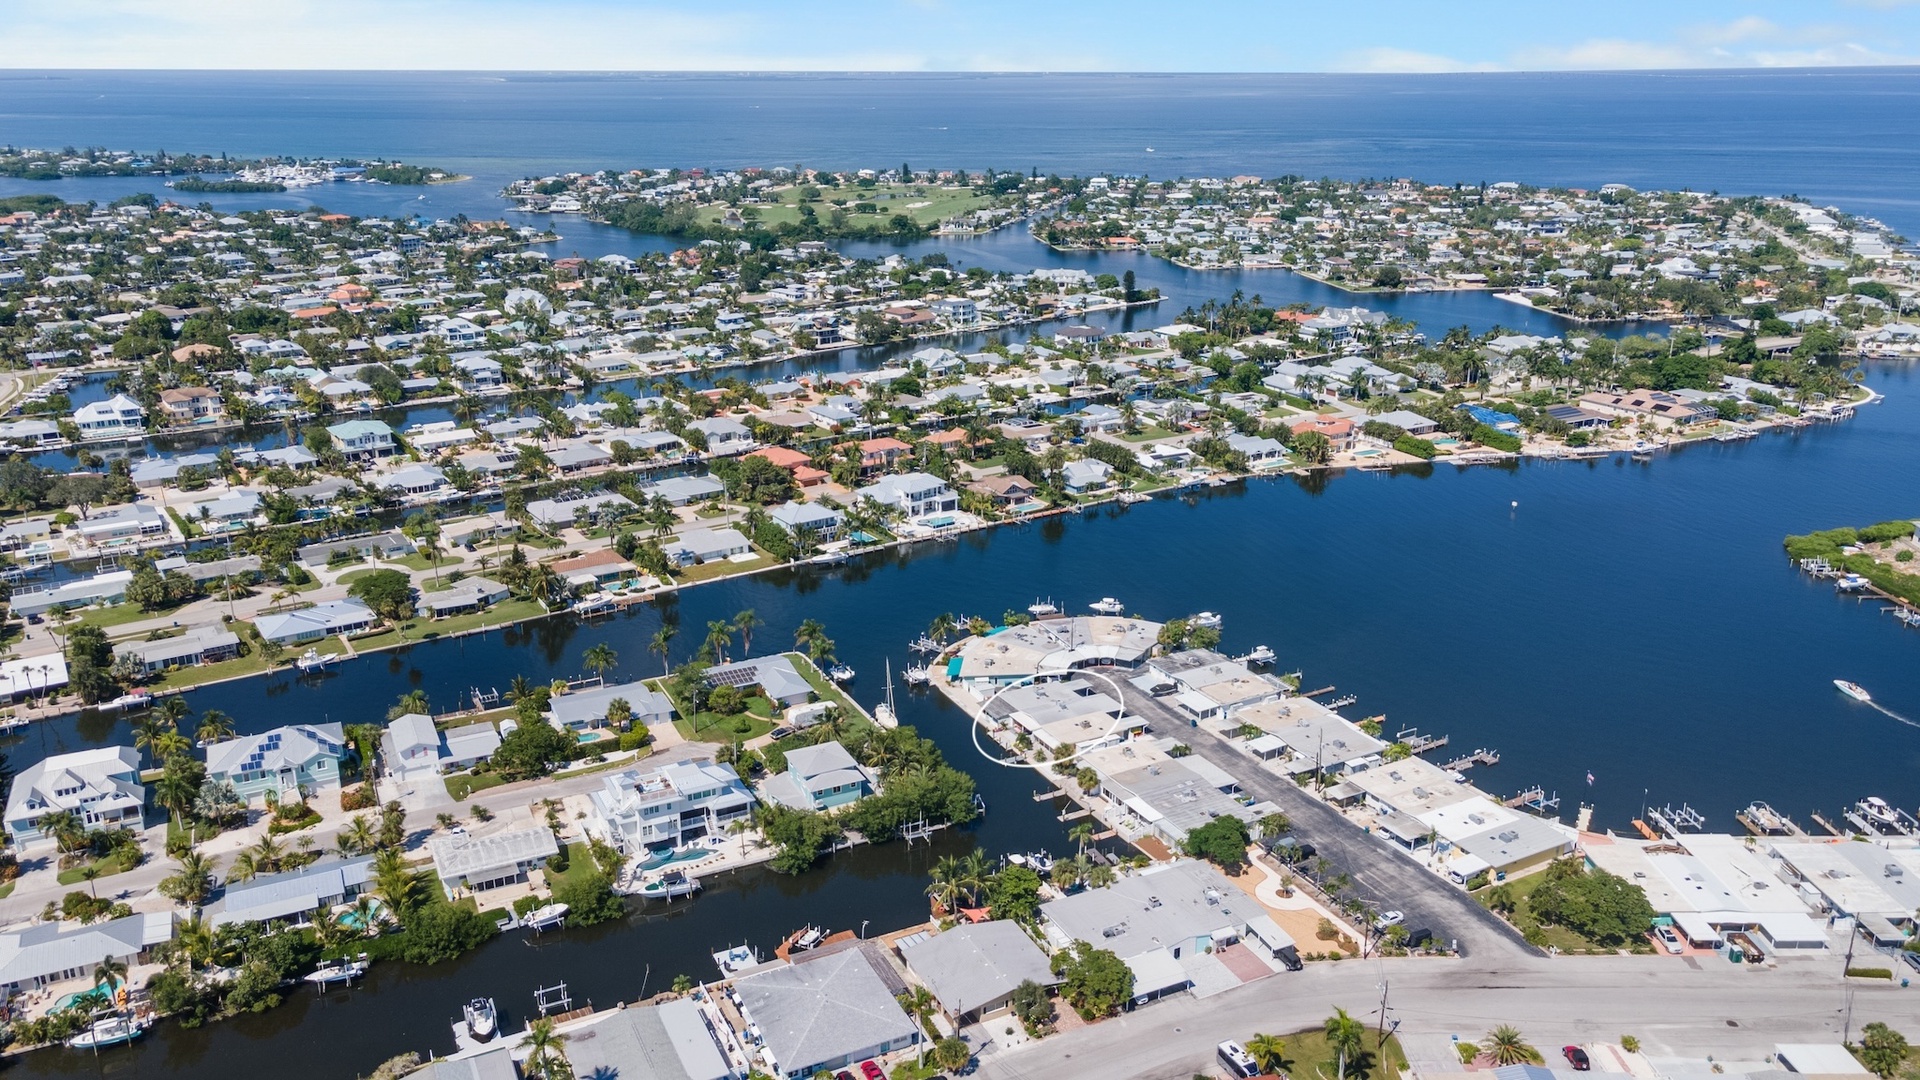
(553, 999)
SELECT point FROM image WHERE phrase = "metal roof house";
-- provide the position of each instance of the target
(313, 623)
(283, 762)
(973, 969)
(774, 675)
(820, 777)
(478, 863)
(671, 1041)
(45, 953)
(295, 894)
(588, 708)
(100, 786)
(824, 1014)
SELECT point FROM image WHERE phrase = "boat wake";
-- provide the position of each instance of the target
(1895, 715)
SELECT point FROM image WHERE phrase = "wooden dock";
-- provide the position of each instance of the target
(1832, 829)
(1482, 756)
(1319, 693)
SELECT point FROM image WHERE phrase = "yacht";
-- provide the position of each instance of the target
(1107, 605)
(312, 660)
(594, 603)
(546, 917)
(1875, 815)
(1205, 620)
(1853, 690)
(1261, 654)
(139, 699)
(483, 1020)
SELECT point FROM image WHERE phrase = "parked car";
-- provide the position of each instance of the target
(1912, 959)
(1388, 918)
(871, 1071)
(779, 733)
(1577, 1058)
(843, 1075)
(1419, 937)
(1669, 939)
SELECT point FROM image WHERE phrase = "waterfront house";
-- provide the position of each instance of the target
(37, 956)
(414, 480)
(105, 588)
(30, 434)
(1173, 925)
(199, 645)
(820, 777)
(670, 1041)
(826, 1012)
(476, 864)
(681, 490)
(1409, 421)
(775, 676)
(1016, 653)
(724, 436)
(1337, 429)
(1085, 475)
(596, 569)
(582, 709)
(327, 619)
(32, 676)
(1057, 711)
(414, 748)
(466, 595)
(818, 519)
(191, 405)
(100, 786)
(1005, 490)
(391, 544)
(1577, 418)
(561, 513)
(915, 494)
(669, 807)
(116, 525)
(973, 969)
(362, 440)
(1161, 457)
(118, 417)
(696, 546)
(281, 764)
(1664, 409)
(295, 895)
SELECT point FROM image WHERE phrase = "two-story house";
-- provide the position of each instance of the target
(669, 807)
(115, 418)
(281, 763)
(917, 494)
(191, 405)
(362, 439)
(99, 787)
(819, 777)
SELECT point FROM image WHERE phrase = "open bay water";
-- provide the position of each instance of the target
(1638, 622)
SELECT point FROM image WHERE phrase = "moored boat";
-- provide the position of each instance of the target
(483, 1020)
(1107, 605)
(840, 673)
(671, 885)
(312, 660)
(339, 971)
(545, 917)
(110, 1031)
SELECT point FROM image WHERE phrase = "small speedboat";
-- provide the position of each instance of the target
(1041, 608)
(1853, 690)
(339, 971)
(483, 1020)
(135, 700)
(671, 885)
(917, 675)
(1205, 620)
(1851, 583)
(595, 603)
(1107, 605)
(840, 673)
(1261, 654)
(312, 660)
(545, 917)
(808, 938)
(110, 1031)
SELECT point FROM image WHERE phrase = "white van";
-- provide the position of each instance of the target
(1237, 1060)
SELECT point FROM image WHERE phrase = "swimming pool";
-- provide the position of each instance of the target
(655, 862)
(352, 920)
(96, 997)
(940, 522)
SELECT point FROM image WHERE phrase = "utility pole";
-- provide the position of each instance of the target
(1846, 1025)
(1380, 1040)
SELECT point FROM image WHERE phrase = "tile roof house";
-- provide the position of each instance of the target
(191, 404)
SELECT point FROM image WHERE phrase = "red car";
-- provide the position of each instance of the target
(871, 1071)
(1577, 1058)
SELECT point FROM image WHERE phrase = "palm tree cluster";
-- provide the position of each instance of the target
(960, 883)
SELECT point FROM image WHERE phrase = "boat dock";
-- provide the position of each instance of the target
(1763, 820)
(1482, 756)
(1419, 743)
(1534, 800)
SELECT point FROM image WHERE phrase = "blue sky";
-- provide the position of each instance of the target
(957, 35)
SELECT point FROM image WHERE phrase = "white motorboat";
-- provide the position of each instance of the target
(1205, 620)
(1107, 605)
(545, 917)
(917, 675)
(594, 603)
(110, 1031)
(312, 660)
(1851, 583)
(1042, 608)
(339, 971)
(483, 1020)
(1854, 691)
(1261, 655)
(135, 700)
(808, 938)
(840, 673)
(671, 885)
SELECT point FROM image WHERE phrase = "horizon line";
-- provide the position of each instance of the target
(1743, 70)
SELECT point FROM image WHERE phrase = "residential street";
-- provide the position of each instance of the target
(1674, 1005)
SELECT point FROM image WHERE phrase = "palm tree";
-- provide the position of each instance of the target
(356, 837)
(413, 701)
(66, 828)
(662, 639)
(943, 627)
(268, 856)
(600, 659)
(1508, 1047)
(147, 732)
(214, 726)
(1268, 1051)
(243, 869)
(719, 639)
(194, 878)
(176, 791)
(974, 875)
(1100, 875)
(171, 744)
(809, 631)
(1344, 1035)
(520, 688)
(945, 888)
(110, 975)
(194, 940)
(394, 880)
(1080, 834)
(544, 1056)
(744, 623)
(89, 874)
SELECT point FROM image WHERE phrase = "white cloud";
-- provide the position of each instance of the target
(1406, 61)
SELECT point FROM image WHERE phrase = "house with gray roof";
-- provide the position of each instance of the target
(824, 1014)
(820, 777)
(39, 955)
(100, 786)
(562, 512)
(670, 1041)
(681, 490)
(819, 519)
(294, 895)
(696, 546)
(313, 623)
(200, 645)
(973, 969)
(774, 675)
(578, 709)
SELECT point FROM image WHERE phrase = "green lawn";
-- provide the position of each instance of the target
(720, 568)
(1559, 937)
(500, 614)
(109, 866)
(120, 615)
(462, 785)
(352, 576)
(181, 678)
(1148, 433)
(580, 865)
(940, 203)
(419, 561)
(711, 726)
(1308, 1055)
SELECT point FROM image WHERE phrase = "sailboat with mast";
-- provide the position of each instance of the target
(884, 712)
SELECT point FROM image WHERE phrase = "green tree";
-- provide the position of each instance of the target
(1269, 1052)
(660, 642)
(1345, 1037)
(440, 931)
(600, 659)
(543, 1045)
(1882, 1049)
(1014, 894)
(388, 592)
(1094, 981)
(1508, 1047)
(952, 1054)
(1222, 841)
(1605, 908)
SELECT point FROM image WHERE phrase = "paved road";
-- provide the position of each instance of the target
(1386, 879)
(1676, 1006)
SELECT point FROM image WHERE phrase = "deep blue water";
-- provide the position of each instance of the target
(1635, 621)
